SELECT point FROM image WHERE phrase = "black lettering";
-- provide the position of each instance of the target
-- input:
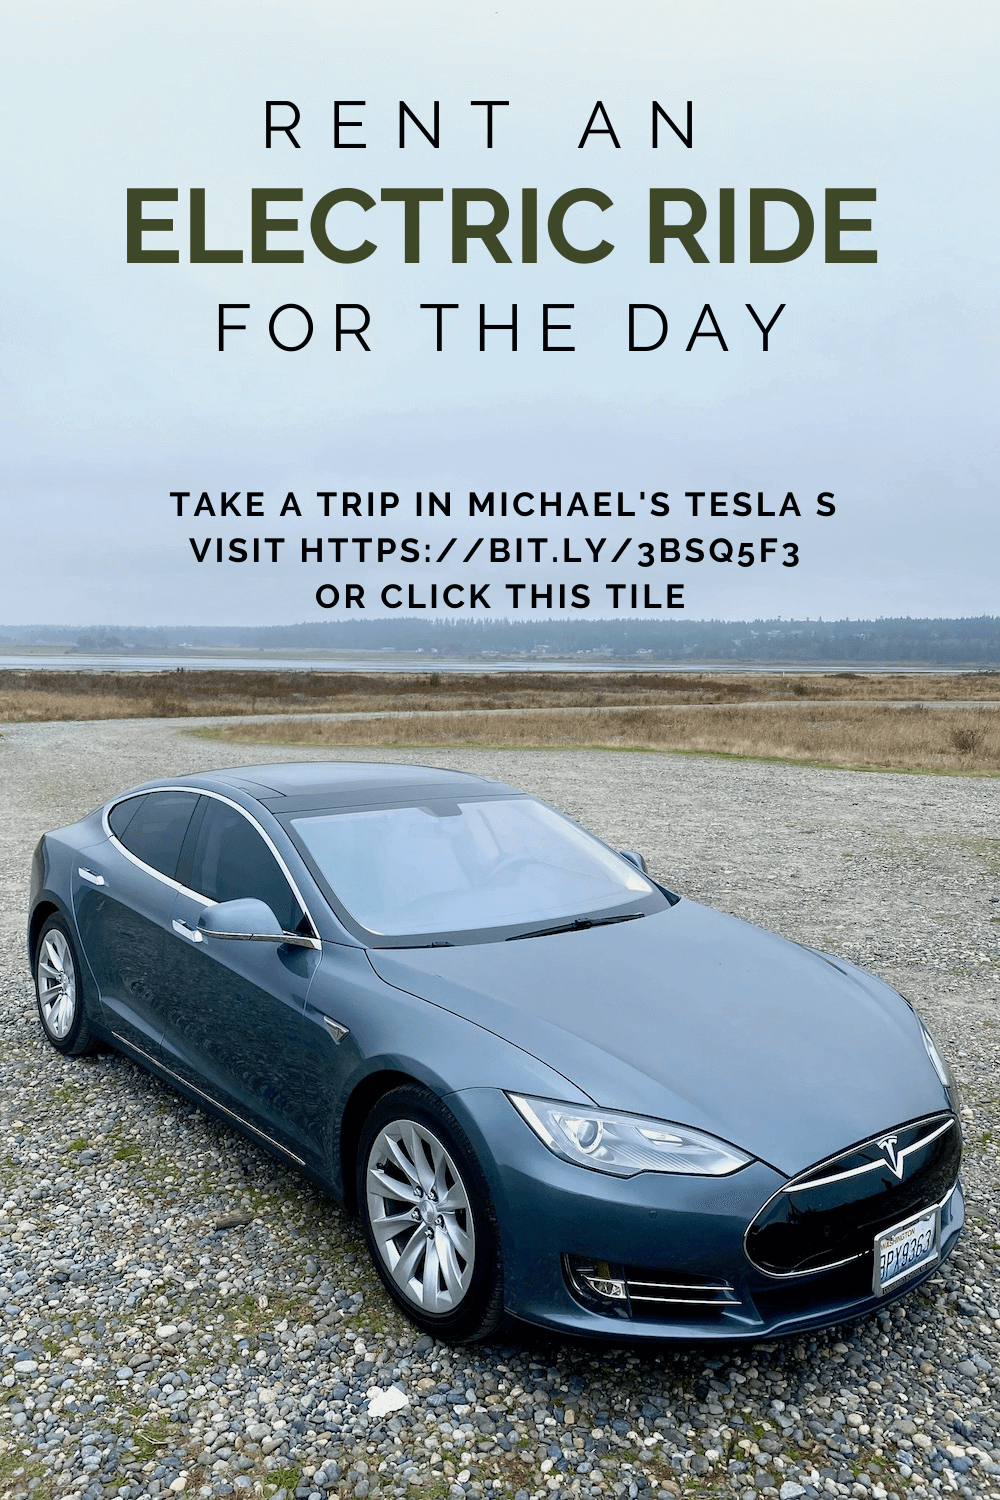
(354, 332)
(687, 136)
(271, 129)
(439, 306)
(404, 110)
(633, 308)
(547, 326)
(489, 105)
(592, 129)
(339, 124)
(715, 332)
(483, 326)
(225, 327)
(291, 307)
(760, 325)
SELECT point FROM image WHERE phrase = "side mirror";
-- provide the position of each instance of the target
(248, 921)
(634, 859)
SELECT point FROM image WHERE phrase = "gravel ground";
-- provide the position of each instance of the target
(179, 1312)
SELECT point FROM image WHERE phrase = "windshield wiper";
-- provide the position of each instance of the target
(579, 925)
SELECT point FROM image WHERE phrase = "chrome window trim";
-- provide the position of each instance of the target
(184, 890)
(945, 1120)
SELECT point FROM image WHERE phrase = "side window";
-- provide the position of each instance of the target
(155, 829)
(121, 816)
(231, 861)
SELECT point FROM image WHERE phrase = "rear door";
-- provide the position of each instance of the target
(124, 892)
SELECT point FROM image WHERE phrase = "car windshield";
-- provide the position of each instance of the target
(462, 866)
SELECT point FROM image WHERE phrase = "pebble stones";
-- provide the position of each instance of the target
(179, 1315)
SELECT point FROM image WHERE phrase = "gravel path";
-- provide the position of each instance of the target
(179, 1312)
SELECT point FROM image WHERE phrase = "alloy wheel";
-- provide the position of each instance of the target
(420, 1215)
(56, 973)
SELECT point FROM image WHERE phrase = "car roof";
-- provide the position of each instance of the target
(338, 782)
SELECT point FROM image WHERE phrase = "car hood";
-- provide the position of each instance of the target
(693, 1016)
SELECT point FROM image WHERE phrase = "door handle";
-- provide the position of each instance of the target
(90, 875)
(186, 930)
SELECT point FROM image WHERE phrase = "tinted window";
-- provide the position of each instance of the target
(155, 831)
(121, 816)
(231, 861)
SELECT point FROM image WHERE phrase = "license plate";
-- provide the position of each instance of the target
(906, 1249)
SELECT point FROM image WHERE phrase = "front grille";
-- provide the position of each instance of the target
(831, 1214)
(644, 1292)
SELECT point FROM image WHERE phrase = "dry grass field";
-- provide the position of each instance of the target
(859, 736)
(834, 719)
(37, 696)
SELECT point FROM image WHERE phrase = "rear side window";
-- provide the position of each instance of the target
(121, 816)
(155, 829)
(231, 862)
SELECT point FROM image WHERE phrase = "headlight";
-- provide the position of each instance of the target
(623, 1145)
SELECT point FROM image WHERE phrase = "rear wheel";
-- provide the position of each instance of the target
(59, 992)
(427, 1216)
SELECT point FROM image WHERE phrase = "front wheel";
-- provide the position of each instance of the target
(59, 992)
(427, 1216)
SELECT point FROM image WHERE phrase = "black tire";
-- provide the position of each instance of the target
(62, 1010)
(455, 1253)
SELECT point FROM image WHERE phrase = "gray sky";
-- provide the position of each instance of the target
(879, 384)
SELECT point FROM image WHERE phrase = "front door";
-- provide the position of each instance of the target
(236, 1026)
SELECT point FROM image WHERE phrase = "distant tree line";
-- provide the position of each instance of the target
(968, 642)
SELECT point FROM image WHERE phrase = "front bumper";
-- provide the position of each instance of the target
(684, 1230)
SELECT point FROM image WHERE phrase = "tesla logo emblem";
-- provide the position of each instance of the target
(888, 1145)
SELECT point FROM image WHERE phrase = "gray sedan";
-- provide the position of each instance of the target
(554, 1091)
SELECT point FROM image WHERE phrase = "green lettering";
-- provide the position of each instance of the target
(317, 225)
(659, 232)
(261, 226)
(462, 231)
(835, 226)
(759, 199)
(557, 233)
(412, 198)
(199, 255)
(136, 224)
